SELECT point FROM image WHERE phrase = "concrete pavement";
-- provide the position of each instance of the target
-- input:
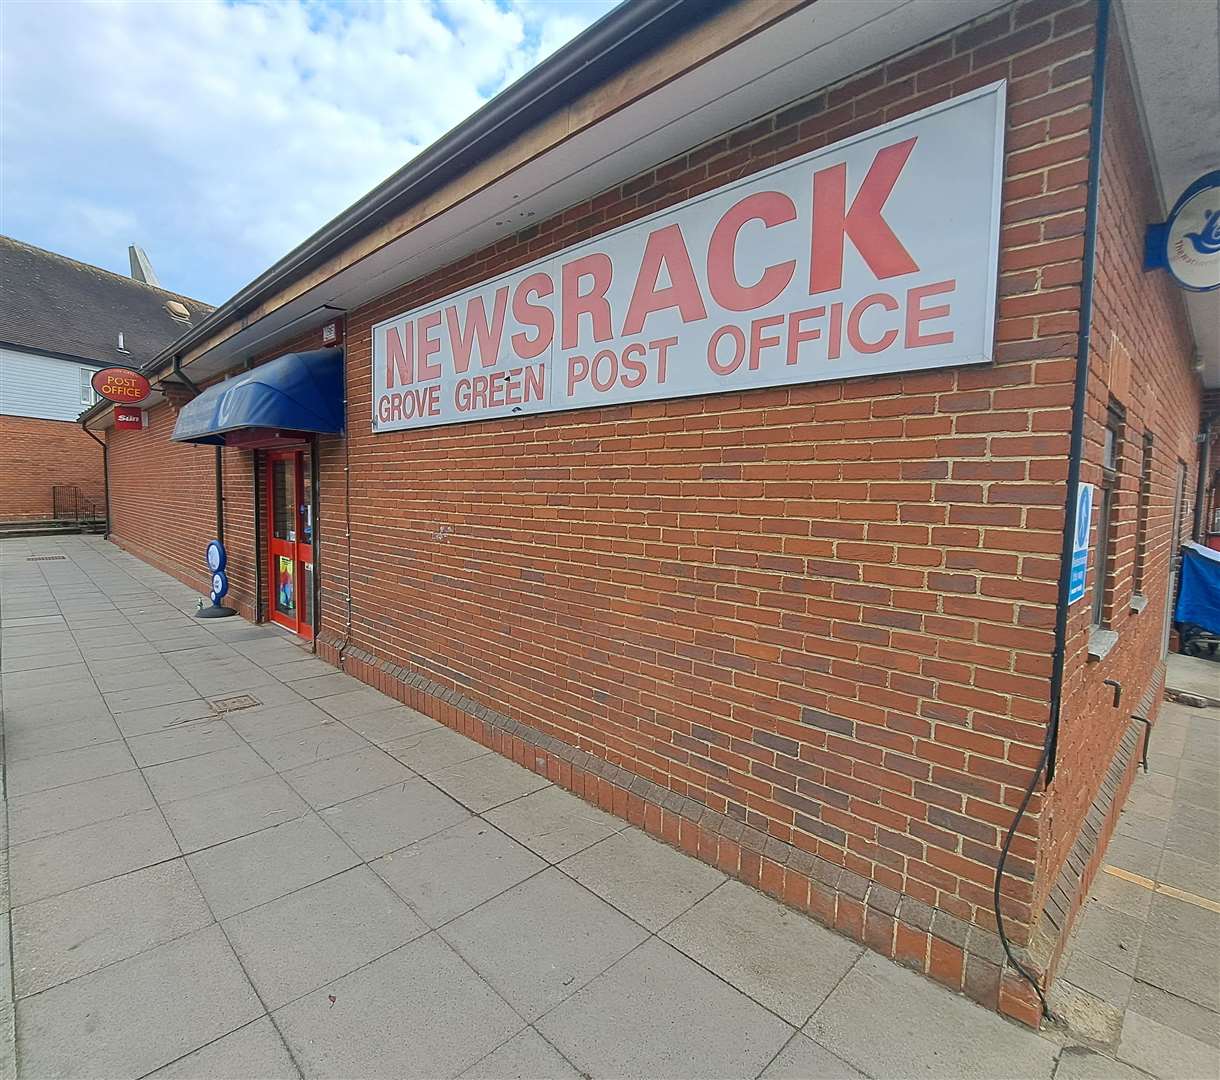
(228, 860)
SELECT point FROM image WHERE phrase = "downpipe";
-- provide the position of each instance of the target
(1046, 763)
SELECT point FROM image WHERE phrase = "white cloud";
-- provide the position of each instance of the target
(218, 136)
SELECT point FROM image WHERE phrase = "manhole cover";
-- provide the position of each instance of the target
(46, 558)
(232, 704)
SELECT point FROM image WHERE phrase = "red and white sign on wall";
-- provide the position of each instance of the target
(877, 254)
(128, 419)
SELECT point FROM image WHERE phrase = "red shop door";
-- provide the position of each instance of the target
(290, 545)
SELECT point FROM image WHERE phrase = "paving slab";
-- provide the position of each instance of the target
(216, 816)
(803, 1059)
(1175, 962)
(486, 781)
(307, 745)
(887, 1021)
(251, 870)
(1174, 1012)
(1084, 1063)
(182, 741)
(393, 817)
(526, 1056)
(324, 684)
(27, 742)
(645, 879)
(162, 717)
(457, 869)
(68, 860)
(658, 1014)
(391, 725)
(431, 751)
(254, 1052)
(67, 767)
(317, 934)
(138, 1014)
(45, 676)
(209, 772)
(1192, 875)
(354, 703)
(69, 935)
(335, 780)
(268, 721)
(1164, 1052)
(782, 959)
(416, 1012)
(553, 823)
(168, 693)
(542, 941)
(61, 809)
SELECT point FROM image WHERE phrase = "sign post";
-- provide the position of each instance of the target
(217, 559)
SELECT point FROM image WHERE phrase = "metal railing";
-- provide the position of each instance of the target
(67, 504)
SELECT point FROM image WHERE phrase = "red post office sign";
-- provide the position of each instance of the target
(121, 384)
(128, 419)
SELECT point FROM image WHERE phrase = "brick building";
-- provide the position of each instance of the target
(60, 322)
(794, 597)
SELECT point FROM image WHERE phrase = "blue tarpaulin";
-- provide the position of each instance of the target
(295, 392)
(1199, 588)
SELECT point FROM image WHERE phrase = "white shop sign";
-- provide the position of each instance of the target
(878, 254)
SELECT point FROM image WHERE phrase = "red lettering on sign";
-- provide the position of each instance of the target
(665, 248)
(863, 223)
(399, 364)
(540, 318)
(771, 208)
(462, 339)
(592, 303)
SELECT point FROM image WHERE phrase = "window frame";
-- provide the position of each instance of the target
(1111, 473)
(88, 396)
(1139, 572)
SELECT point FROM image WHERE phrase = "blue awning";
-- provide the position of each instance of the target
(297, 392)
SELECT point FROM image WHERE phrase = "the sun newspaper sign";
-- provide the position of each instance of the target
(877, 254)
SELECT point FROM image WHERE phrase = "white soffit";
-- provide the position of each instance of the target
(816, 46)
(1175, 49)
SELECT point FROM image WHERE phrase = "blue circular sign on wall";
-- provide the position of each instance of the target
(1188, 243)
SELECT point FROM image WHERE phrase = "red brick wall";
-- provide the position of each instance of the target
(163, 505)
(37, 455)
(824, 610)
(1141, 359)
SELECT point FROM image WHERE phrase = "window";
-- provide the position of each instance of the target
(1141, 520)
(1111, 455)
(88, 395)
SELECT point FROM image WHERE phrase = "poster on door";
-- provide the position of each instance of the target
(285, 591)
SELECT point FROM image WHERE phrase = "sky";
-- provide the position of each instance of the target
(218, 136)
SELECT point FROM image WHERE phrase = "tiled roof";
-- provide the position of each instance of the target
(57, 305)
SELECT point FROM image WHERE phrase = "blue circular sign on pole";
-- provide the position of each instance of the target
(217, 559)
(217, 556)
(220, 586)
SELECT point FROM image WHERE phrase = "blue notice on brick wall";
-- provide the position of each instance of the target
(1080, 542)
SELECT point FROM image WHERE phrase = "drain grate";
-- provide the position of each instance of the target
(232, 704)
(46, 558)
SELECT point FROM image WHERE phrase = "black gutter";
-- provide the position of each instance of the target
(1075, 454)
(105, 474)
(617, 40)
